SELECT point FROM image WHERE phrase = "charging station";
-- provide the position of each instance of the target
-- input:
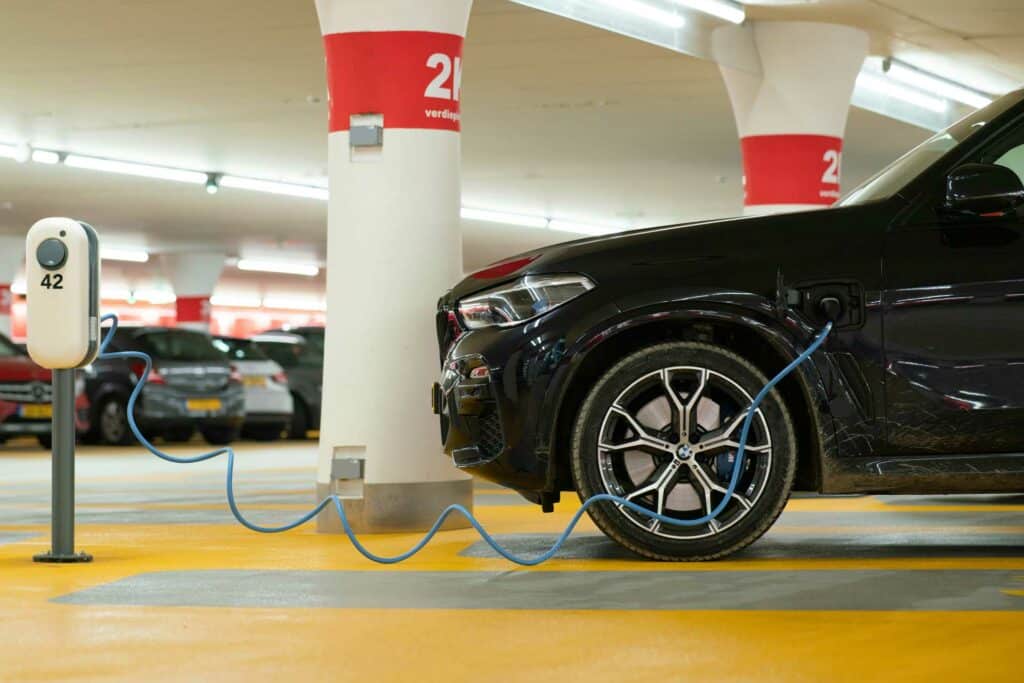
(62, 275)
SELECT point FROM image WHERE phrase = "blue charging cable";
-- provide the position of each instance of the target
(451, 509)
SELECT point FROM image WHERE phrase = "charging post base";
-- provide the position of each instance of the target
(62, 523)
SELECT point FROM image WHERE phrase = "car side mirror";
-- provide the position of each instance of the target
(980, 189)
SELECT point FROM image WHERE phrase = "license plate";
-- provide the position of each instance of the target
(255, 381)
(203, 404)
(36, 411)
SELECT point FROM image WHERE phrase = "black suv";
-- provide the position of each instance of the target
(625, 364)
(192, 385)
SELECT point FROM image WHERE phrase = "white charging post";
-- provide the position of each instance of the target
(62, 274)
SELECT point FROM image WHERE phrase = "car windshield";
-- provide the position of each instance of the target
(897, 175)
(8, 349)
(240, 349)
(180, 345)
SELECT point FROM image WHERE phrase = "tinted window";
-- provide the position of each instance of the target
(179, 345)
(240, 349)
(7, 349)
(290, 355)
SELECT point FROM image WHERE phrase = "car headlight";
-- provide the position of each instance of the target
(522, 300)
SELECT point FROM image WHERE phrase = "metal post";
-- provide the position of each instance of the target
(63, 496)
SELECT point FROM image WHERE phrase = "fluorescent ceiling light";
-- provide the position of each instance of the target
(501, 217)
(8, 151)
(133, 255)
(649, 12)
(45, 156)
(884, 86)
(273, 187)
(236, 300)
(294, 303)
(134, 169)
(936, 85)
(285, 267)
(582, 228)
(723, 9)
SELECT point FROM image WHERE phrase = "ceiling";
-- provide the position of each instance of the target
(559, 118)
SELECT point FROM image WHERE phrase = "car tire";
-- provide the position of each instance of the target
(271, 432)
(180, 434)
(714, 387)
(112, 422)
(219, 436)
(45, 441)
(300, 420)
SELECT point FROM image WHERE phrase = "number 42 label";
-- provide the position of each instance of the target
(55, 281)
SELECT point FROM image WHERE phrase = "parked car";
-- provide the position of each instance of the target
(192, 386)
(268, 401)
(313, 334)
(304, 366)
(604, 365)
(26, 397)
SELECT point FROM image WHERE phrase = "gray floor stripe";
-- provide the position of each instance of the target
(658, 590)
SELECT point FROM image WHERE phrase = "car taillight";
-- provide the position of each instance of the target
(280, 377)
(235, 375)
(154, 376)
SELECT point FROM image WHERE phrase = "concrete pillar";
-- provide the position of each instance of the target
(790, 107)
(12, 253)
(393, 247)
(193, 276)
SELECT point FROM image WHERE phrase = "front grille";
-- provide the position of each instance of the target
(26, 392)
(491, 441)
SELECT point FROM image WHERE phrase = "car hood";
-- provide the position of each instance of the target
(21, 369)
(701, 250)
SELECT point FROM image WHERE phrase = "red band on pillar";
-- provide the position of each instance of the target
(791, 169)
(193, 309)
(413, 78)
(6, 299)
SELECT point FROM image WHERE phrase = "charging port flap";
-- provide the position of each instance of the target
(839, 301)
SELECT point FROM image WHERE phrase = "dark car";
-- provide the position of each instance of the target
(313, 334)
(26, 397)
(192, 386)
(625, 364)
(303, 365)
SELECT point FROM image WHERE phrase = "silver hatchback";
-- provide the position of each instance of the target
(268, 401)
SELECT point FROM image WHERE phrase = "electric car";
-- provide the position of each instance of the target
(26, 397)
(268, 401)
(192, 385)
(303, 365)
(626, 364)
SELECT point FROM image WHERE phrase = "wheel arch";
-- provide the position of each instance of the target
(756, 337)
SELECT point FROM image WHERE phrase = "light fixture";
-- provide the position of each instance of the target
(502, 217)
(645, 11)
(8, 151)
(236, 300)
(134, 169)
(726, 10)
(212, 183)
(582, 228)
(45, 156)
(283, 267)
(293, 303)
(18, 152)
(883, 86)
(273, 187)
(935, 85)
(132, 255)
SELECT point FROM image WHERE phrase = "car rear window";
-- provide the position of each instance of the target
(240, 349)
(180, 345)
(290, 355)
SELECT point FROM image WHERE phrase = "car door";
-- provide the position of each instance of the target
(954, 322)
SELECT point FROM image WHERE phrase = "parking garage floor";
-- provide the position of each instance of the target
(865, 588)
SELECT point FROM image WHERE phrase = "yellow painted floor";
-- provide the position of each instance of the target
(149, 521)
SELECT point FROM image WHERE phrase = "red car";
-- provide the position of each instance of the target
(26, 397)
